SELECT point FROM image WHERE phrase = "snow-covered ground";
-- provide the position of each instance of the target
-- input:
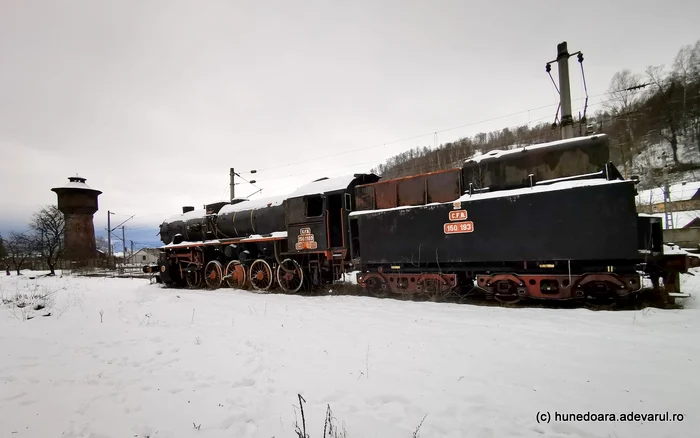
(125, 358)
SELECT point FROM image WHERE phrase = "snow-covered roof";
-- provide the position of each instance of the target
(501, 153)
(681, 219)
(679, 192)
(508, 193)
(323, 186)
(146, 250)
(677, 250)
(76, 182)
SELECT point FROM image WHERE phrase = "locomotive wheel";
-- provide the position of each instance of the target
(292, 279)
(213, 274)
(374, 286)
(260, 275)
(507, 299)
(236, 274)
(505, 292)
(193, 279)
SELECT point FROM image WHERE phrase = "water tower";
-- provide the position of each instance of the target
(78, 203)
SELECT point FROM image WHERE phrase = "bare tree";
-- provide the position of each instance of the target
(48, 226)
(666, 106)
(623, 92)
(624, 98)
(686, 72)
(19, 248)
(4, 262)
(101, 244)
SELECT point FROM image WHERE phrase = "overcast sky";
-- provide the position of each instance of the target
(153, 101)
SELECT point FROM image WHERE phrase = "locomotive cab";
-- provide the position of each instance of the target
(317, 215)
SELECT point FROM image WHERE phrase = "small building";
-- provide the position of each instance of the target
(684, 196)
(684, 205)
(144, 256)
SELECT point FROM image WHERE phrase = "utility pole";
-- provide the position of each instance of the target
(667, 195)
(567, 121)
(124, 244)
(232, 176)
(109, 236)
(131, 255)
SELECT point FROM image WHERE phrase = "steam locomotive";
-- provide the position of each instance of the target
(553, 221)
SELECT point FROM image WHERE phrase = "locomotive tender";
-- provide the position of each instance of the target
(554, 221)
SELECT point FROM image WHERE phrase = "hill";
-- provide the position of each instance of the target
(646, 116)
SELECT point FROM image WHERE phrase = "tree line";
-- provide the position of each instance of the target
(43, 240)
(644, 114)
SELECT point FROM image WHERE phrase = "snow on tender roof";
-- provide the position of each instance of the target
(679, 192)
(563, 185)
(323, 186)
(251, 204)
(501, 153)
(508, 193)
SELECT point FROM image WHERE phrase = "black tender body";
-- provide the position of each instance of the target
(590, 223)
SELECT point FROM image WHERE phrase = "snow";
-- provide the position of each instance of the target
(677, 250)
(186, 243)
(563, 185)
(324, 186)
(253, 204)
(273, 235)
(497, 154)
(679, 192)
(506, 193)
(680, 218)
(77, 185)
(233, 362)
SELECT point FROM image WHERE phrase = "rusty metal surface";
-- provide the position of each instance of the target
(444, 186)
(403, 283)
(440, 186)
(364, 197)
(564, 286)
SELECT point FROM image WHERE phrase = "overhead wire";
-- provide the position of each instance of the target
(380, 160)
(376, 145)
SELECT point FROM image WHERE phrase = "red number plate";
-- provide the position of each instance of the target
(459, 227)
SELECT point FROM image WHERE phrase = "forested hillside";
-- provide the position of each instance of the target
(645, 114)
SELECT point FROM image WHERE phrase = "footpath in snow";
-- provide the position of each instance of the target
(125, 358)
